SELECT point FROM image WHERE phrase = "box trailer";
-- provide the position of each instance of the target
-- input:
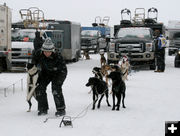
(71, 44)
(5, 38)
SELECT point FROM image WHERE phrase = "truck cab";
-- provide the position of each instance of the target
(134, 38)
(137, 43)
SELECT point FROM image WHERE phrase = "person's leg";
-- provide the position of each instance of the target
(41, 95)
(58, 96)
(158, 62)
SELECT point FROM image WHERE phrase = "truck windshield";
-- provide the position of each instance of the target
(22, 35)
(91, 33)
(134, 32)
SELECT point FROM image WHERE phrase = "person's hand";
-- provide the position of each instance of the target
(39, 68)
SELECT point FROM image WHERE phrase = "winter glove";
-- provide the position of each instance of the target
(39, 68)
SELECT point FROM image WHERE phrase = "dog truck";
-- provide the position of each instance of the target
(173, 30)
(134, 38)
(5, 38)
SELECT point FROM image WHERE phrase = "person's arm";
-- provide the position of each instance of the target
(61, 67)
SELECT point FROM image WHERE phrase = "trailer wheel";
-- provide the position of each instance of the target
(77, 57)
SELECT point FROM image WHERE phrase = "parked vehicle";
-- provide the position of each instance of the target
(5, 38)
(94, 37)
(92, 40)
(22, 44)
(134, 38)
(173, 36)
(71, 39)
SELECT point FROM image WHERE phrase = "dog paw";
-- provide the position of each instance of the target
(113, 108)
(117, 109)
(124, 106)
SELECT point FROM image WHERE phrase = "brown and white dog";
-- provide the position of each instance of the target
(106, 69)
(124, 68)
(32, 78)
(86, 55)
(102, 59)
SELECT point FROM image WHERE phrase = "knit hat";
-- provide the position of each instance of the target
(48, 45)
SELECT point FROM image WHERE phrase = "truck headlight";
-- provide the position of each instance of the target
(179, 52)
(149, 47)
(111, 47)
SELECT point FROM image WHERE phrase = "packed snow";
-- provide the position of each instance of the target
(151, 99)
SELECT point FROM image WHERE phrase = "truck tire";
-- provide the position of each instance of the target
(96, 50)
(1, 65)
(152, 66)
(76, 57)
(1, 68)
(169, 53)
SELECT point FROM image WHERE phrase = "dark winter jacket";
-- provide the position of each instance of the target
(50, 66)
(38, 41)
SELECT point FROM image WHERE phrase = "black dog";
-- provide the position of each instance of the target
(97, 72)
(118, 89)
(32, 78)
(98, 87)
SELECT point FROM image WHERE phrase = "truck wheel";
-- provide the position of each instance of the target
(1, 65)
(96, 51)
(108, 62)
(169, 53)
(77, 56)
(152, 66)
(1, 68)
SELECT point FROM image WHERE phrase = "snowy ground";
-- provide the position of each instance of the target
(151, 99)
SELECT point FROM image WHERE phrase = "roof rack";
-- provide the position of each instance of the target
(31, 17)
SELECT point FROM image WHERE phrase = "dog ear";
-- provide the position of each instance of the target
(29, 65)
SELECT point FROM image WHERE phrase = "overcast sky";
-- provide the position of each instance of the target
(84, 11)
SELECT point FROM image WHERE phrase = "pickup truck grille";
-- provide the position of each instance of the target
(16, 51)
(131, 47)
(20, 52)
(85, 41)
(177, 45)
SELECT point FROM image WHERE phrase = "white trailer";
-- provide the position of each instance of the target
(5, 38)
(173, 31)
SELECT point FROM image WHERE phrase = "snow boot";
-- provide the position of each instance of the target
(60, 113)
(43, 112)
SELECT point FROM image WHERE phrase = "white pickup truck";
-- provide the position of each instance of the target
(22, 47)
